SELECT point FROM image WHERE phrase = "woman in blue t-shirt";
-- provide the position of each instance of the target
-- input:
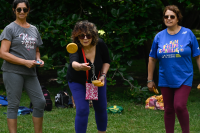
(173, 47)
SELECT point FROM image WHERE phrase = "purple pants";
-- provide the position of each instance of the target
(82, 107)
(175, 101)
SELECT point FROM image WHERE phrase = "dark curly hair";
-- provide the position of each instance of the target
(176, 10)
(86, 28)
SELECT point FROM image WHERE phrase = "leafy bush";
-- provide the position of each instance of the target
(139, 94)
(126, 25)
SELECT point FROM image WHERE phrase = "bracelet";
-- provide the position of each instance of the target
(148, 81)
(103, 74)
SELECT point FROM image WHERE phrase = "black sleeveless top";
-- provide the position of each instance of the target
(101, 57)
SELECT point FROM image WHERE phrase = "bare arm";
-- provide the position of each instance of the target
(37, 53)
(198, 61)
(198, 64)
(104, 70)
(4, 54)
(38, 57)
(151, 68)
(80, 66)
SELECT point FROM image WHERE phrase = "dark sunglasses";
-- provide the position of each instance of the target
(167, 16)
(20, 9)
(82, 36)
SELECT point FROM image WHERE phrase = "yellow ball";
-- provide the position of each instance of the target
(72, 48)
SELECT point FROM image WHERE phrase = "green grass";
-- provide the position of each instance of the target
(134, 119)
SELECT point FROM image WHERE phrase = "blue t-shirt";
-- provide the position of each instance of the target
(174, 55)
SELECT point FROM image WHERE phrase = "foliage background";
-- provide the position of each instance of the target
(127, 27)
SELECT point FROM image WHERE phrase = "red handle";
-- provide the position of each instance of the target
(87, 73)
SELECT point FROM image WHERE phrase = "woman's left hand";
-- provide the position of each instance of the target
(41, 62)
(198, 87)
(102, 79)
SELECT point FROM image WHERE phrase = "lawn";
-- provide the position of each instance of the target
(134, 119)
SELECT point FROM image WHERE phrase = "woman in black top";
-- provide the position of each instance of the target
(85, 35)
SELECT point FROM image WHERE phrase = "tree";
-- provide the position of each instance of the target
(128, 24)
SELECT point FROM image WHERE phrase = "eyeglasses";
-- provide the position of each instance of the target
(20, 9)
(167, 16)
(82, 36)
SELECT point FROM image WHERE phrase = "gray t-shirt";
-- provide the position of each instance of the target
(24, 42)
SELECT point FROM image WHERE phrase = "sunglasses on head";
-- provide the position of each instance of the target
(20, 9)
(167, 16)
(82, 36)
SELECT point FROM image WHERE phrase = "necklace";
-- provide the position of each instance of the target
(87, 52)
(24, 26)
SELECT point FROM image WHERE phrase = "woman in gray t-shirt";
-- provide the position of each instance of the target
(20, 43)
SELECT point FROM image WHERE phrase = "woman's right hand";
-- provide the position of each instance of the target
(30, 63)
(84, 66)
(150, 85)
(80, 66)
